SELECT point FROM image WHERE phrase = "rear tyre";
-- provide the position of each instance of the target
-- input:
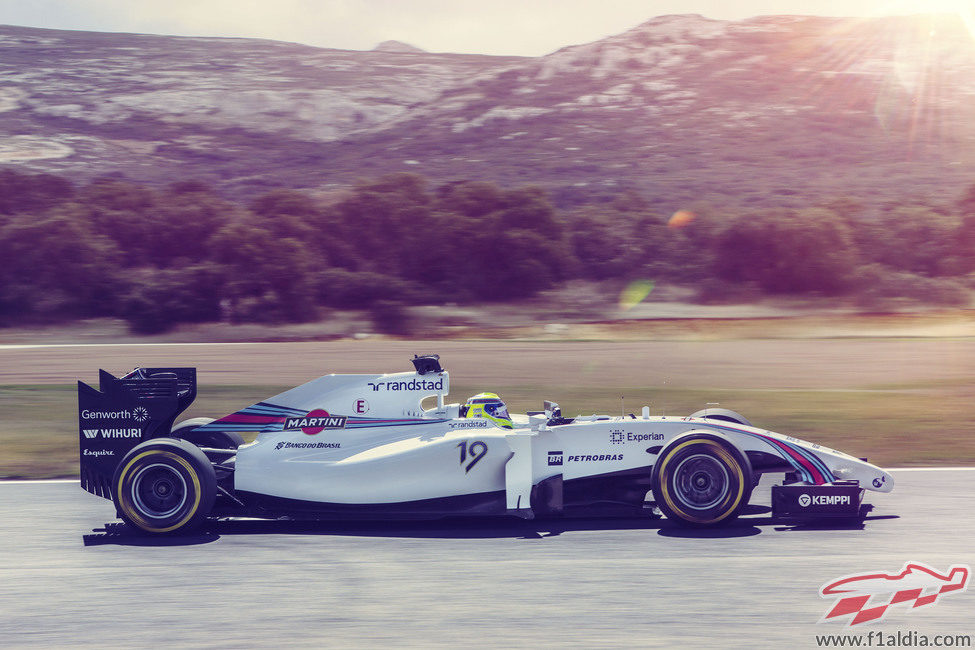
(164, 486)
(189, 430)
(701, 479)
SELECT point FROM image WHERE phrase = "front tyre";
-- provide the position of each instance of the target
(701, 479)
(164, 486)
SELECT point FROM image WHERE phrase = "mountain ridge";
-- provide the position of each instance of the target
(765, 111)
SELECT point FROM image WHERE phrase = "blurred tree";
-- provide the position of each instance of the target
(189, 187)
(673, 252)
(21, 192)
(849, 208)
(159, 299)
(881, 287)
(182, 223)
(966, 231)
(268, 279)
(473, 199)
(359, 289)
(918, 240)
(523, 263)
(491, 244)
(796, 251)
(966, 204)
(528, 208)
(53, 267)
(412, 188)
(391, 317)
(381, 226)
(603, 243)
(288, 213)
(122, 210)
(629, 200)
(652, 246)
(169, 228)
(481, 261)
(110, 193)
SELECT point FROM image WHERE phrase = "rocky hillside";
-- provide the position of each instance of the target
(767, 111)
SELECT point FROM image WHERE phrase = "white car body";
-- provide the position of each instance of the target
(395, 452)
(389, 446)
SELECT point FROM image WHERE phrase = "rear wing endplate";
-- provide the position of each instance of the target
(123, 412)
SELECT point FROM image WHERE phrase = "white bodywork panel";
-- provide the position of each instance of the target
(365, 439)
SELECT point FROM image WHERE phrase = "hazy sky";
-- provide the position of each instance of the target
(524, 27)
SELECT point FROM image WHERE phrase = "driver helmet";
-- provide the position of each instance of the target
(490, 407)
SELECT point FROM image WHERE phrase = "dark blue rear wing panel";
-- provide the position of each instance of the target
(121, 413)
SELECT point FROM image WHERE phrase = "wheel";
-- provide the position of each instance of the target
(726, 415)
(189, 430)
(701, 479)
(164, 486)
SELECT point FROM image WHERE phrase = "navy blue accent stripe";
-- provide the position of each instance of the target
(775, 442)
(273, 409)
(372, 425)
(778, 445)
(231, 425)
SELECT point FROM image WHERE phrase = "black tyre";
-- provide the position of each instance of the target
(189, 430)
(164, 486)
(701, 479)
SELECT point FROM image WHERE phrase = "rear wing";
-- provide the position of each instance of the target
(123, 412)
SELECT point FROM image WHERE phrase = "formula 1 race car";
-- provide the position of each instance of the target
(364, 447)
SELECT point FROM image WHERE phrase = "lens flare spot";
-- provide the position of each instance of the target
(680, 219)
(635, 293)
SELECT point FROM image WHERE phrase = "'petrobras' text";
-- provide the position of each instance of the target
(594, 458)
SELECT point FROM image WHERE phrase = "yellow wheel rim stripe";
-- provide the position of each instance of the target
(130, 511)
(724, 455)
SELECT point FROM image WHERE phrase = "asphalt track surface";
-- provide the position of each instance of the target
(464, 583)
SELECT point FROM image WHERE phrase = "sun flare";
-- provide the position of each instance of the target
(964, 9)
(929, 7)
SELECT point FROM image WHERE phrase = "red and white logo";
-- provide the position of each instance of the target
(867, 597)
(360, 406)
